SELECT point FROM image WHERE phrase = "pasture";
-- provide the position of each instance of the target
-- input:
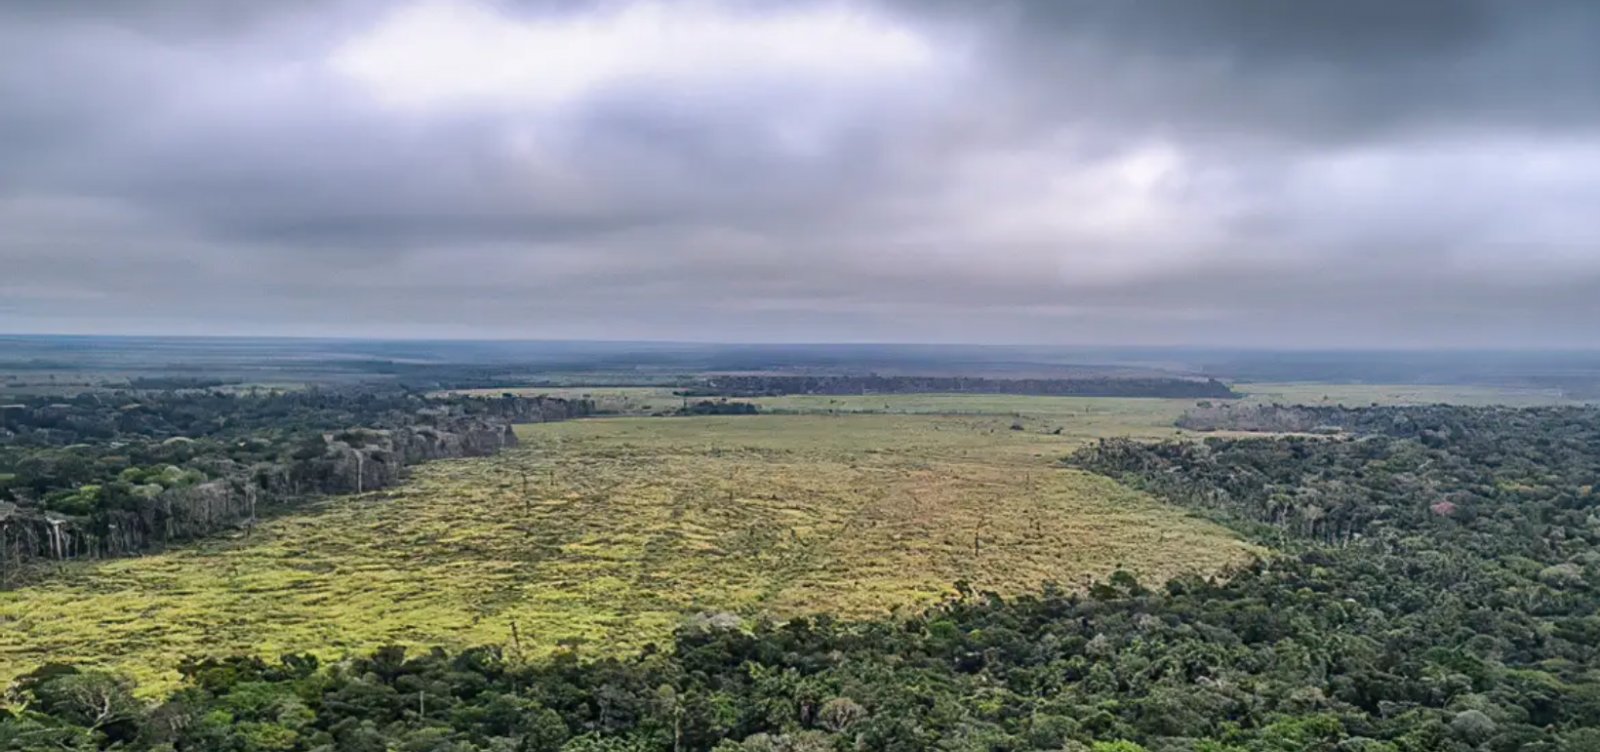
(599, 536)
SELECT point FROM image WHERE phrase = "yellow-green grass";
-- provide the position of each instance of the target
(1078, 416)
(1103, 416)
(603, 534)
(1146, 415)
(1143, 411)
(1357, 395)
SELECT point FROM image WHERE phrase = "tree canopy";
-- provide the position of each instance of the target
(1433, 586)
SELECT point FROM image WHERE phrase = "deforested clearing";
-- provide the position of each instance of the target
(599, 536)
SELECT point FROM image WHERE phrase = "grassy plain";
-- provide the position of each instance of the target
(599, 535)
(1116, 414)
(1361, 395)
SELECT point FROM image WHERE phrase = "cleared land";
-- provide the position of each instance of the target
(602, 534)
(1145, 415)
(1360, 395)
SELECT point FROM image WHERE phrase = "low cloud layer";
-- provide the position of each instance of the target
(1240, 172)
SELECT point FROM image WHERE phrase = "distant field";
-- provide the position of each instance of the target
(1146, 414)
(626, 525)
(1356, 395)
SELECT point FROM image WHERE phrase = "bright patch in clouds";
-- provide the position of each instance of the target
(451, 53)
(1145, 209)
(857, 169)
(1511, 209)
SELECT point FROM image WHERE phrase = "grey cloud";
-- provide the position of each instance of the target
(1232, 172)
(1314, 70)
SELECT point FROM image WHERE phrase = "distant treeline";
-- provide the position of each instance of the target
(718, 407)
(766, 386)
(111, 474)
(178, 382)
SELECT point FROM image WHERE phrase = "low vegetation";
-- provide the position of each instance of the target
(1119, 386)
(599, 535)
(1368, 394)
(1148, 417)
(1435, 590)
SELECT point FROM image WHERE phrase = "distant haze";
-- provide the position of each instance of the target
(1229, 173)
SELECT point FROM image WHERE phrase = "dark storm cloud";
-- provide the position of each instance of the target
(1316, 70)
(1231, 171)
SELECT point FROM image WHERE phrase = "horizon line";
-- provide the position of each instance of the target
(1595, 349)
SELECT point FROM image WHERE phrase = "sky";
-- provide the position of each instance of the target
(1208, 172)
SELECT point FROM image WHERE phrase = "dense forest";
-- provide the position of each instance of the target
(718, 407)
(1434, 586)
(1402, 422)
(766, 386)
(115, 473)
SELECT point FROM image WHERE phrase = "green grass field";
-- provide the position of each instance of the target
(1360, 395)
(600, 535)
(1146, 415)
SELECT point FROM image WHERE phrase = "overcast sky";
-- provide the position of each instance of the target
(1248, 172)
